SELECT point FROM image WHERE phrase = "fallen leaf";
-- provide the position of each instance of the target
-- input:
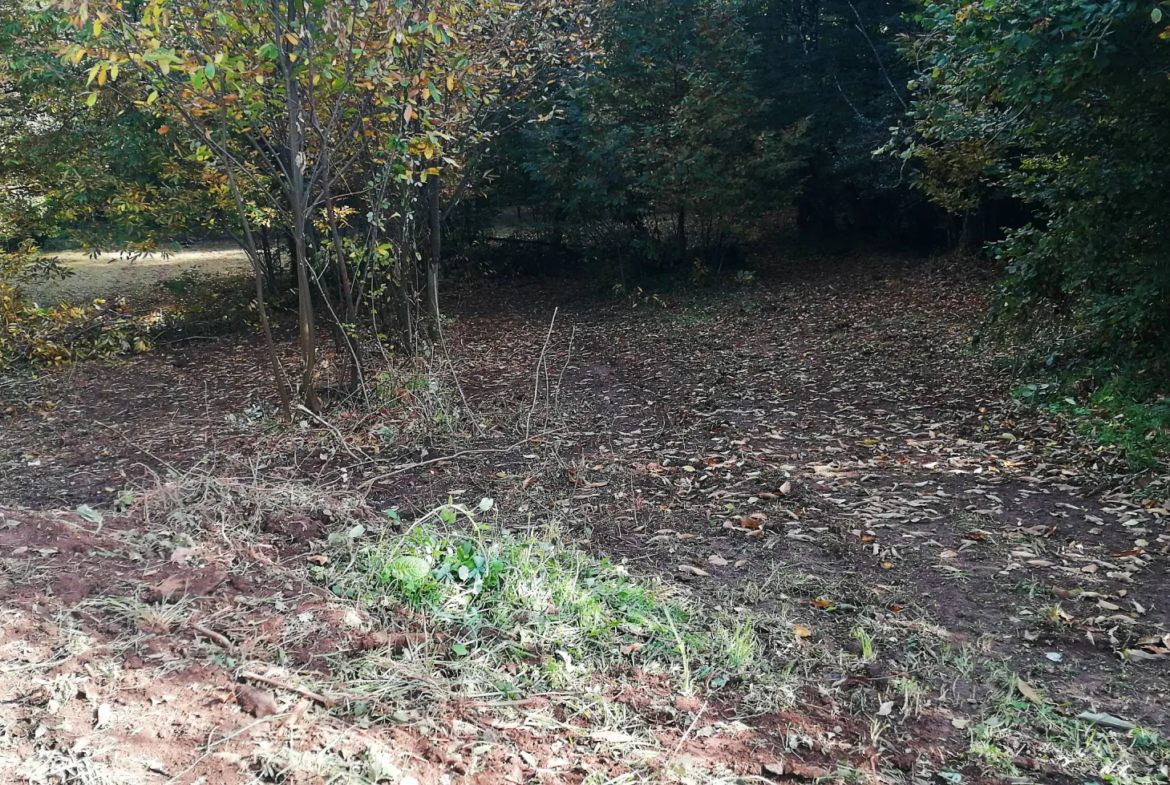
(1140, 655)
(1028, 691)
(717, 560)
(948, 554)
(786, 488)
(612, 737)
(1108, 720)
(258, 703)
(801, 631)
(775, 769)
(183, 555)
(693, 570)
(317, 558)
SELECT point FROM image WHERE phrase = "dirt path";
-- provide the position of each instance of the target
(961, 588)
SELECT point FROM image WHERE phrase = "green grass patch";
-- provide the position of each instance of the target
(524, 612)
(1016, 728)
(1121, 414)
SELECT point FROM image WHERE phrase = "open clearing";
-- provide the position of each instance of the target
(796, 532)
(135, 277)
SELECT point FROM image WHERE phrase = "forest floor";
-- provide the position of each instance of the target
(799, 531)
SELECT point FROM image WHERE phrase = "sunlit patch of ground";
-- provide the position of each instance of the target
(116, 275)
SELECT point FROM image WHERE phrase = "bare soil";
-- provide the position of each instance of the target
(828, 446)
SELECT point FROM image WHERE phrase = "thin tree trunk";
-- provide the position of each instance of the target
(349, 307)
(305, 327)
(261, 308)
(434, 257)
(269, 263)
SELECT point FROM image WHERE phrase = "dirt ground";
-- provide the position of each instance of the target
(964, 589)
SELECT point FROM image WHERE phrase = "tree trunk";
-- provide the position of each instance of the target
(434, 257)
(349, 307)
(305, 327)
(269, 263)
(261, 309)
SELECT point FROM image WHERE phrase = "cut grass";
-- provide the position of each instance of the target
(524, 613)
(1017, 734)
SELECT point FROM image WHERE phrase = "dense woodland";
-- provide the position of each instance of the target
(360, 154)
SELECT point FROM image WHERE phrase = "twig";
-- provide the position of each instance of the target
(536, 382)
(142, 450)
(682, 739)
(332, 429)
(213, 635)
(861, 28)
(408, 466)
(289, 687)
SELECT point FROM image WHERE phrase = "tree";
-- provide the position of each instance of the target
(663, 143)
(333, 116)
(98, 176)
(1062, 105)
(835, 64)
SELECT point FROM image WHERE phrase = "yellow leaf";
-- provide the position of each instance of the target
(801, 631)
(97, 27)
(292, 38)
(450, 81)
(102, 75)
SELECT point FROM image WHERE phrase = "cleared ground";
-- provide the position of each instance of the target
(838, 550)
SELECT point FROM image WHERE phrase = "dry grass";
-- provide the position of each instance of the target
(113, 275)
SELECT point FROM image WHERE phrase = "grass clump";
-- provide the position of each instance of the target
(525, 612)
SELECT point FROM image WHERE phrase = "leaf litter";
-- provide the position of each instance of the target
(857, 485)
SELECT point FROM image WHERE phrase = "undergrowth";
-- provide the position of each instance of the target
(1125, 414)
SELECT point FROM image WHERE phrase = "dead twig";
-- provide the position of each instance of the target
(222, 640)
(418, 465)
(536, 381)
(324, 701)
(333, 429)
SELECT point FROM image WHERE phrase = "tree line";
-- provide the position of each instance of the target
(353, 147)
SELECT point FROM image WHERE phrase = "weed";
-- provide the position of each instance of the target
(425, 402)
(913, 695)
(865, 640)
(739, 646)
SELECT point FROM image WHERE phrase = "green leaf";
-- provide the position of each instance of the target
(409, 569)
(459, 649)
(1156, 15)
(91, 100)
